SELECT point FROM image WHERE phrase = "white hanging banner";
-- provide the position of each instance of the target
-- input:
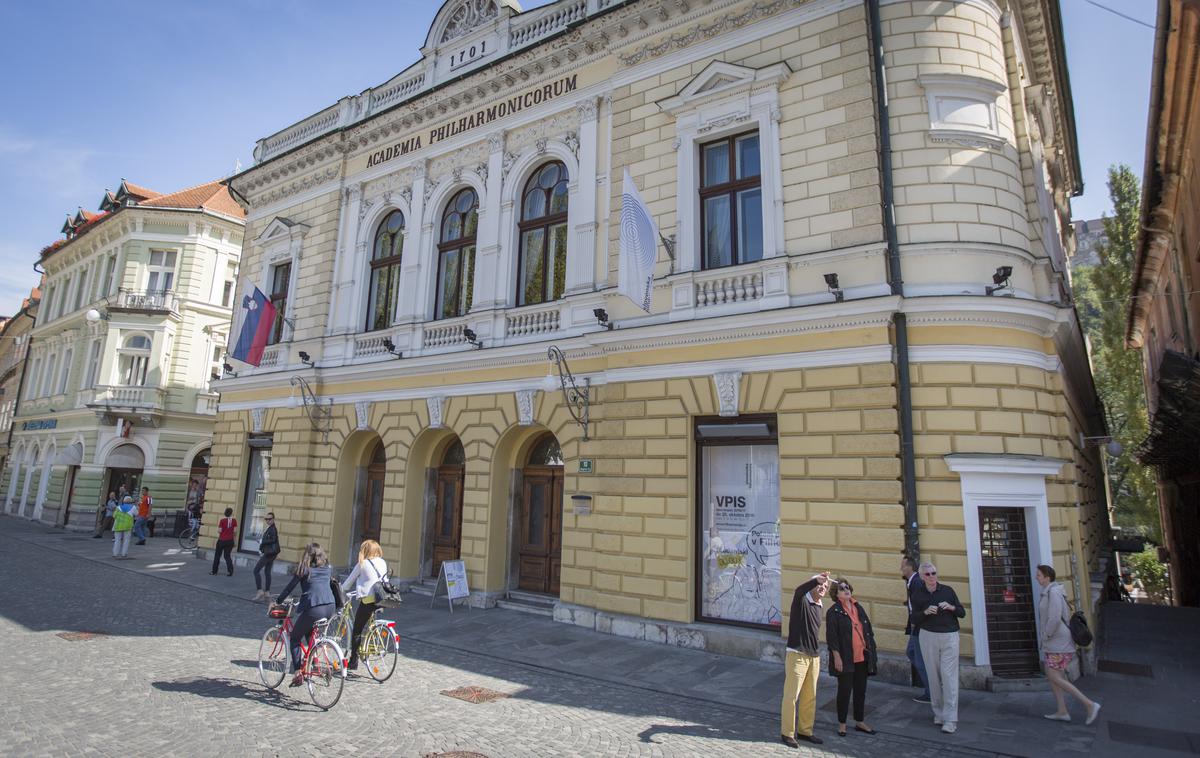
(638, 247)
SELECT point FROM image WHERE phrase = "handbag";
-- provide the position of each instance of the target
(384, 593)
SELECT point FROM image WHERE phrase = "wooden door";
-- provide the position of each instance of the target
(540, 544)
(1008, 591)
(372, 507)
(447, 516)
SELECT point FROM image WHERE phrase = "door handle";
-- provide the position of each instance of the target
(749, 476)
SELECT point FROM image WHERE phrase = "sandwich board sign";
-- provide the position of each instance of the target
(452, 579)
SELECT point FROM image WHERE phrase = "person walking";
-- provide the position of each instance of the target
(106, 520)
(908, 570)
(226, 535)
(314, 576)
(1058, 647)
(369, 572)
(269, 551)
(803, 663)
(122, 528)
(141, 522)
(935, 612)
(852, 654)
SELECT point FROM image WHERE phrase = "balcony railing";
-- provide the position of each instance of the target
(149, 301)
(206, 403)
(532, 321)
(151, 398)
(441, 334)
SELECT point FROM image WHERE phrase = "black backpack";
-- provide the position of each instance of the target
(1081, 635)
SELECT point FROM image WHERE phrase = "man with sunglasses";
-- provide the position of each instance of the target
(935, 613)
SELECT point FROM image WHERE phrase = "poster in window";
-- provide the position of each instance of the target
(741, 550)
(254, 509)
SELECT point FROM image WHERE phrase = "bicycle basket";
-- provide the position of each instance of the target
(279, 611)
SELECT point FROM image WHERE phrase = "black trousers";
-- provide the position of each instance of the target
(856, 683)
(304, 626)
(264, 565)
(224, 548)
(361, 615)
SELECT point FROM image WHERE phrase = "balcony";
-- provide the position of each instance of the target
(146, 301)
(119, 396)
(206, 403)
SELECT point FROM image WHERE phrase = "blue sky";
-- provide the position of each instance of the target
(168, 95)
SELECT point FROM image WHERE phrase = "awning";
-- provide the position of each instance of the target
(71, 456)
(1173, 444)
(126, 456)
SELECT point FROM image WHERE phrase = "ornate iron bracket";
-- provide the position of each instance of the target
(320, 415)
(578, 400)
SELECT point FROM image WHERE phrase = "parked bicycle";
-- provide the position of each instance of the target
(379, 645)
(190, 537)
(324, 668)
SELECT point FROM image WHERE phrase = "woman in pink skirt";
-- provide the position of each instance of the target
(1058, 647)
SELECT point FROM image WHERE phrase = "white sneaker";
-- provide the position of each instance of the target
(1057, 717)
(949, 727)
(1094, 713)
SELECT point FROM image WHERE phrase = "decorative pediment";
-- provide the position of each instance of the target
(280, 229)
(459, 18)
(723, 79)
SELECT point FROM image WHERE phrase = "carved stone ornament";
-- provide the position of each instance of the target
(430, 186)
(363, 208)
(572, 142)
(525, 406)
(509, 160)
(406, 193)
(436, 405)
(588, 109)
(362, 412)
(482, 170)
(728, 384)
(495, 142)
(704, 31)
(540, 146)
(258, 414)
(469, 16)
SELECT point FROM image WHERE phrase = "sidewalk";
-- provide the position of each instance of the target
(1139, 713)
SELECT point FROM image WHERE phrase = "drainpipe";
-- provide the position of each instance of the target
(899, 331)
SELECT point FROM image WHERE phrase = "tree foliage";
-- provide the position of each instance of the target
(1102, 294)
(1147, 569)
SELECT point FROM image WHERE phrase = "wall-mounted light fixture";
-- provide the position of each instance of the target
(306, 359)
(578, 399)
(602, 316)
(94, 316)
(390, 346)
(1000, 280)
(471, 337)
(229, 370)
(320, 414)
(831, 281)
(1111, 446)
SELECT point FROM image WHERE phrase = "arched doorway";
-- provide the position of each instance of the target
(446, 540)
(198, 480)
(123, 469)
(539, 518)
(368, 511)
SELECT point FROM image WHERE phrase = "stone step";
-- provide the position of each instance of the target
(1018, 684)
(528, 602)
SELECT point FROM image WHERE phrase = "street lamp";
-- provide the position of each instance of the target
(578, 400)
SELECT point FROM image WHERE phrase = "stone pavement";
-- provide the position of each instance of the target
(572, 691)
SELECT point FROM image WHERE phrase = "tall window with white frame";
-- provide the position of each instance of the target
(161, 276)
(93, 365)
(48, 378)
(542, 266)
(281, 277)
(731, 201)
(65, 375)
(456, 255)
(134, 360)
(385, 272)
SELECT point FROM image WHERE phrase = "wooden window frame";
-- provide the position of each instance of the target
(545, 223)
(381, 267)
(279, 299)
(730, 189)
(460, 244)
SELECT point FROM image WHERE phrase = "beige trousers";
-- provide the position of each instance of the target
(799, 685)
(940, 651)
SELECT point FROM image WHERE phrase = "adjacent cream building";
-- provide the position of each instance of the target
(130, 333)
(861, 335)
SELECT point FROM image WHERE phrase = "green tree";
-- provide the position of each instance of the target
(1102, 299)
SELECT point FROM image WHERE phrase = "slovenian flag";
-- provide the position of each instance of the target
(638, 247)
(258, 315)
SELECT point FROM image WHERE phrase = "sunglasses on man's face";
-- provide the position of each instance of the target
(930, 573)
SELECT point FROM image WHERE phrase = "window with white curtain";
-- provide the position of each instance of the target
(93, 365)
(134, 360)
(48, 377)
(65, 374)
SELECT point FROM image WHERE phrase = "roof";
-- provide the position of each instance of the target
(210, 196)
(138, 191)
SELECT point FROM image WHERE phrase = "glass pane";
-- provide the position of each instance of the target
(535, 204)
(446, 525)
(741, 548)
(395, 222)
(156, 257)
(467, 288)
(376, 306)
(168, 279)
(718, 245)
(558, 258)
(558, 201)
(533, 267)
(471, 222)
(152, 282)
(398, 243)
(537, 514)
(546, 452)
(716, 163)
(280, 281)
(383, 246)
(452, 227)
(466, 201)
(448, 285)
(750, 226)
(549, 176)
(747, 156)
(169, 259)
(254, 508)
(455, 455)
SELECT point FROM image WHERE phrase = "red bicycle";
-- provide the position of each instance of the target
(323, 668)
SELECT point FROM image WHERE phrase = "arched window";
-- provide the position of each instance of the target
(385, 272)
(546, 452)
(542, 268)
(134, 360)
(456, 255)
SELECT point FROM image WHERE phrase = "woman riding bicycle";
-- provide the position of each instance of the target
(371, 570)
(314, 575)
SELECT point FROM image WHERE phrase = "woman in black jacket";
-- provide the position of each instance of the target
(269, 549)
(314, 576)
(852, 656)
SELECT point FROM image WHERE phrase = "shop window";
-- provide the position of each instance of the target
(738, 550)
(385, 272)
(542, 268)
(456, 255)
(254, 504)
(731, 220)
(281, 276)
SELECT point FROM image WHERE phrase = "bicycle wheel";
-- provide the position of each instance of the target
(379, 652)
(273, 657)
(324, 674)
(339, 629)
(188, 539)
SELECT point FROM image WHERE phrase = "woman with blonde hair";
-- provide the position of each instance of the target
(366, 576)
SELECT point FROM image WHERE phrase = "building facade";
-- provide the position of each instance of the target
(1164, 311)
(130, 335)
(14, 347)
(859, 340)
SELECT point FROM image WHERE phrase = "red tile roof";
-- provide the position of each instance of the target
(210, 196)
(140, 192)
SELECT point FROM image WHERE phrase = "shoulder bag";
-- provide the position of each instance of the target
(1081, 635)
(386, 595)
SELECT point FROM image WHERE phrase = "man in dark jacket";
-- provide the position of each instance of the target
(912, 580)
(936, 611)
(803, 663)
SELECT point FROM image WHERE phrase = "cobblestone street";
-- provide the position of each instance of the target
(172, 672)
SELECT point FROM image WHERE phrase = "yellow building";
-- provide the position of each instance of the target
(860, 337)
